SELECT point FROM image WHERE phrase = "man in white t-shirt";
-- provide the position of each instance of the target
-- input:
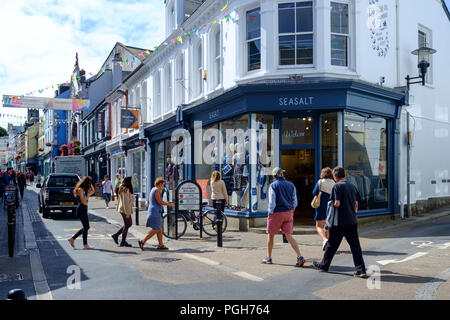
(107, 190)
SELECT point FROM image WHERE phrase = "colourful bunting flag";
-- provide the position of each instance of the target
(180, 39)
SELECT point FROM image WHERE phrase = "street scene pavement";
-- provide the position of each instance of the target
(405, 259)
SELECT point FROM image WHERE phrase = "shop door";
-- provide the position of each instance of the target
(298, 158)
(300, 170)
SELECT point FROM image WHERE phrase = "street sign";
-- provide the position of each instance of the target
(188, 196)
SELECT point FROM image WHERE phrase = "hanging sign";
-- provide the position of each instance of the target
(130, 119)
(44, 103)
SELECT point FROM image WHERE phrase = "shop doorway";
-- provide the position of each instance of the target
(299, 165)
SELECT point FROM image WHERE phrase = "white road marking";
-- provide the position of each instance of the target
(414, 256)
(216, 264)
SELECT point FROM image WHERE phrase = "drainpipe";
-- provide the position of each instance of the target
(397, 38)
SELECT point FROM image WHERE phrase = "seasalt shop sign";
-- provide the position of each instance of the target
(295, 101)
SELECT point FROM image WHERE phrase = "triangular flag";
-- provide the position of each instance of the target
(213, 22)
(188, 34)
(226, 6)
(180, 39)
(173, 41)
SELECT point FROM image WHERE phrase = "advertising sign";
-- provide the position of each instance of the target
(130, 119)
(10, 101)
(188, 196)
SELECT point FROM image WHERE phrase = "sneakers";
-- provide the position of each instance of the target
(360, 275)
(266, 260)
(115, 238)
(324, 244)
(318, 267)
(300, 262)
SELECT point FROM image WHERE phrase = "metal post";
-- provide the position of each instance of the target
(137, 209)
(284, 239)
(201, 223)
(219, 221)
(408, 169)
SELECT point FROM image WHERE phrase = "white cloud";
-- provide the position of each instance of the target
(39, 39)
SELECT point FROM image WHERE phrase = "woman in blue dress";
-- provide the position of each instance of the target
(154, 218)
(325, 185)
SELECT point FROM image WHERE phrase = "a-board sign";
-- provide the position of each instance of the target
(188, 196)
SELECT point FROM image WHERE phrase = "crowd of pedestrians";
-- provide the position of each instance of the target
(338, 200)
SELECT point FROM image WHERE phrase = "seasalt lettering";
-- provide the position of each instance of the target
(297, 101)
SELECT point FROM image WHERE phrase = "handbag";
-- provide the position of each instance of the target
(380, 192)
(315, 203)
(332, 216)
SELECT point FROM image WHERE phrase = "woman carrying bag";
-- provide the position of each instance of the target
(82, 191)
(125, 208)
(322, 190)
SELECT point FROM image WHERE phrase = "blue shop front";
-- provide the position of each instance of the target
(299, 126)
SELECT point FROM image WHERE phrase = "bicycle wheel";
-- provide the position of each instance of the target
(169, 225)
(209, 224)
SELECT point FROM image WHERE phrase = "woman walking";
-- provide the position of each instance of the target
(83, 190)
(324, 185)
(219, 194)
(125, 208)
(154, 218)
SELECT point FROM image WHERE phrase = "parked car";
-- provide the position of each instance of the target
(57, 194)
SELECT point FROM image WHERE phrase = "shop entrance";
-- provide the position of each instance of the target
(298, 158)
(300, 167)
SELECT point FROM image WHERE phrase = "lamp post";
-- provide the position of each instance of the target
(423, 57)
(423, 62)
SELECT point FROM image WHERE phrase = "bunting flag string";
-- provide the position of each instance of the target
(224, 13)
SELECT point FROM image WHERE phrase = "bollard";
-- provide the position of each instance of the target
(219, 232)
(201, 223)
(16, 294)
(284, 239)
(137, 209)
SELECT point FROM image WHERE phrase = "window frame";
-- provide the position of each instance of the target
(217, 57)
(278, 35)
(347, 36)
(247, 41)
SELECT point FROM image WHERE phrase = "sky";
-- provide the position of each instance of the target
(39, 40)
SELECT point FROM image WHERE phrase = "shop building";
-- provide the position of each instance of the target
(327, 76)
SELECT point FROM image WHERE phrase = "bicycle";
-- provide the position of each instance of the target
(208, 222)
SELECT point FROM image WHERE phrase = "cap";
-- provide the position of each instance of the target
(276, 171)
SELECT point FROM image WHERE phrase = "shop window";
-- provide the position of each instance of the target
(339, 34)
(159, 160)
(137, 171)
(295, 28)
(329, 135)
(235, 167)
(253, 39)
(366, 162)
(297, 131)
(264, 161)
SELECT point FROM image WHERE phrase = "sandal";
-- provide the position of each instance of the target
(163, 247)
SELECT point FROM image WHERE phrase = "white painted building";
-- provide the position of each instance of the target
(330, 75)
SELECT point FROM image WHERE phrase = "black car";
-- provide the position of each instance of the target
(57, 193)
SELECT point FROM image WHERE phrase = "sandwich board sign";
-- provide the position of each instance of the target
(188, 196)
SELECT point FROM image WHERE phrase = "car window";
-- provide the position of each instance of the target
(62, 181)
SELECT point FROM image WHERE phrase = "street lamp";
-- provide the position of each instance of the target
(423, 57)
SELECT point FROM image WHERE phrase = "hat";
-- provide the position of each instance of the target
(276, 171)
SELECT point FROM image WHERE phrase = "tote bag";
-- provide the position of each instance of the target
(315, 203)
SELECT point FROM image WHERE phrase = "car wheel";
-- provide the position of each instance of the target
(45, 213)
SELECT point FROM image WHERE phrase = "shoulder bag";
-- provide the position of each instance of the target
(315, 203)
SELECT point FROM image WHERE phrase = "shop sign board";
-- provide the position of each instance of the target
(188, 196)
(130, 119)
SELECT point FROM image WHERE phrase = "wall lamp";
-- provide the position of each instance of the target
(423, 54)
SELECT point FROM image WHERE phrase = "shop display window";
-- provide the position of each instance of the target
(365, 158)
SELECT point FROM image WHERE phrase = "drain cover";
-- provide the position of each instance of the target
(163, 260)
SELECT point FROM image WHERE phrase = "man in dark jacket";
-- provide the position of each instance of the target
(345, 197)
(21, 182)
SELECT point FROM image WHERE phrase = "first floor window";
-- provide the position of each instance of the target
(339, 34)
(253, 39)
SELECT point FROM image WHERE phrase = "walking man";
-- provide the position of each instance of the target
(282, 204)
(345, 198)
(107, 190)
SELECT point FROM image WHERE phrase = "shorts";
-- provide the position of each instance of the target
(107, 196)
(280, 220)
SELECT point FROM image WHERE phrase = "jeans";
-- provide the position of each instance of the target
(351, 235)
(218, 204)
(82, 213)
